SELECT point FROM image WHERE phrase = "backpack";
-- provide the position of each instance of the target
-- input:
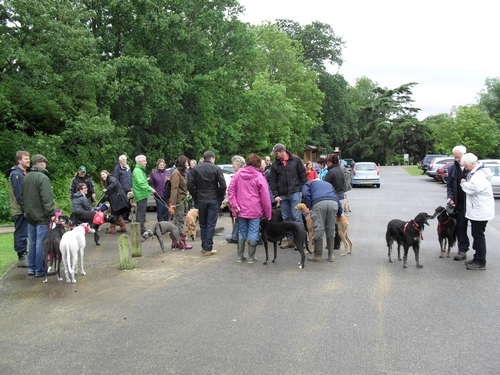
(167, 189)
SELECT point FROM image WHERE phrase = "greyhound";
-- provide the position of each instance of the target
(161, 228)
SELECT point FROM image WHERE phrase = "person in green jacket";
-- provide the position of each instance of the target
(142, 190)
(37, 200)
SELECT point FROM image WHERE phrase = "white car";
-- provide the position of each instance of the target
(495, 179)
(365, 173)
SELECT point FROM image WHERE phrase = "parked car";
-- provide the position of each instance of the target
(427, 160)
(441, 174)
(495, 179)
(437, 163)
(350, 163)
(228, 171)
(365, 173)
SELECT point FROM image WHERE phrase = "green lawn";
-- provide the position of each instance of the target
(7, 253)
(414, 170)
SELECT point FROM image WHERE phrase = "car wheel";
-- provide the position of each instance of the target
(377, 185)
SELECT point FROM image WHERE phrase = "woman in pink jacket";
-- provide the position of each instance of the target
(248, 195)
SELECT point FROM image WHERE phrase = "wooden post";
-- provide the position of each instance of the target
(135, 231)
(125, 253)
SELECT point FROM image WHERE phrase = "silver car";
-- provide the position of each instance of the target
(365, 173)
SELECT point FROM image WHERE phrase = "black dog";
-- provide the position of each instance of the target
(408, 234)
(447, 230)
(275, 231)
(80, 217)
(52, 250)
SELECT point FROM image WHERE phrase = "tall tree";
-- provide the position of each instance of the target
(489, 98)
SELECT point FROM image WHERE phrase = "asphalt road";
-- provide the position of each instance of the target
(183, 313)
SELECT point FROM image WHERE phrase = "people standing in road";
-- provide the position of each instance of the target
(117, 198)
(207, 186)
(335, 176)
(480, 207)
(286, 178)
(325, 206)
(124, 175)
(179, 196)
(142, 190)
(248, 195)
(16, 175)
(82, 178)
(157, 181)
(456, 198)
(310, 171)
(39, 209)
(322, 168)
(238, 162)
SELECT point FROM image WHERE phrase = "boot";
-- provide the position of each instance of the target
(241, 251)
(336, 245)
(111, 229)
(252, 247)
(329, 243)
(174, 244)
(123, 227)
(183, 245)
(318, 252)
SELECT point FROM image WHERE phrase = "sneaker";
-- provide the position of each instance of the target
(23, 261)
(211, 252)
(460, 256)
(469, 262)
(475, 267)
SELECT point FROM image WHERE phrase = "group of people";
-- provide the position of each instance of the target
(469, 191)
(256, 186)
(33, 205)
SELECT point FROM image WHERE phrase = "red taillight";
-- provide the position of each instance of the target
(354, 171)
(378, 170)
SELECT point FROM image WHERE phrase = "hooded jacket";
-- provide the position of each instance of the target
(249, 191)
(480, 204)
(80, 202)
(37, 196)
(140, 183)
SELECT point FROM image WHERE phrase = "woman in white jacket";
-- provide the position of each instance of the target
(480, 207)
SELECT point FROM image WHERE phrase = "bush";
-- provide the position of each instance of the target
(5, 216)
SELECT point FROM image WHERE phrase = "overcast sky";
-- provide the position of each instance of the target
(449, 48)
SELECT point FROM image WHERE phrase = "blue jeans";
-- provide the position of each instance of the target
(289, 213)
(236, 229)
(162, 213)
(20, 235)
(249, 229)
(208, 213)
(36, 236)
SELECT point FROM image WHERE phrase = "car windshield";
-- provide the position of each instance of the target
(366, 167)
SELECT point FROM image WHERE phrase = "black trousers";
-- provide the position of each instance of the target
(479, 244)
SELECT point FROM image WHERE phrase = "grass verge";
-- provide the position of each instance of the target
(414, 171)
(7, 253)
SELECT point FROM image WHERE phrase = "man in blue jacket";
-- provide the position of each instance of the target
(16, 175)
(325, 206)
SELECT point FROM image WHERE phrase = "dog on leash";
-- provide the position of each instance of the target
(342, 228)
(408, 234)
(446, 230)
(275, 231)
(191, 219)
(160, 229)
(72, 247)
(306, 216)
(133, 205)
(51, 249)
(80, 217)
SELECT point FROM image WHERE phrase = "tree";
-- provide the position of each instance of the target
(489, 98)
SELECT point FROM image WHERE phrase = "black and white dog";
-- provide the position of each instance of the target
(80, 217)
(161, 228)
(51, 248)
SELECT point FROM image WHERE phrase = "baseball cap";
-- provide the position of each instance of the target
(39, 158)
(82, 169)
(277, 148)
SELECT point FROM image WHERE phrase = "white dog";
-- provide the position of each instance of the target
(73, 245)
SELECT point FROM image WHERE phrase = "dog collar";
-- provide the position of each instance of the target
(414, 225)
(307, 213)
(87, 229)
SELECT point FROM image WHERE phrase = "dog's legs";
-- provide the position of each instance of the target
(82, 252)
(302, 255)
(389, 248)
(59, 278)
(416, 249)
(275, 244)
(399, 251)
(96, 236)
(442, 247)
(267, 251)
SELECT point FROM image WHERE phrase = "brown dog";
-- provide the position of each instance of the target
(306, 214)
(343, 228)
(225, 203)
(191, 219)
